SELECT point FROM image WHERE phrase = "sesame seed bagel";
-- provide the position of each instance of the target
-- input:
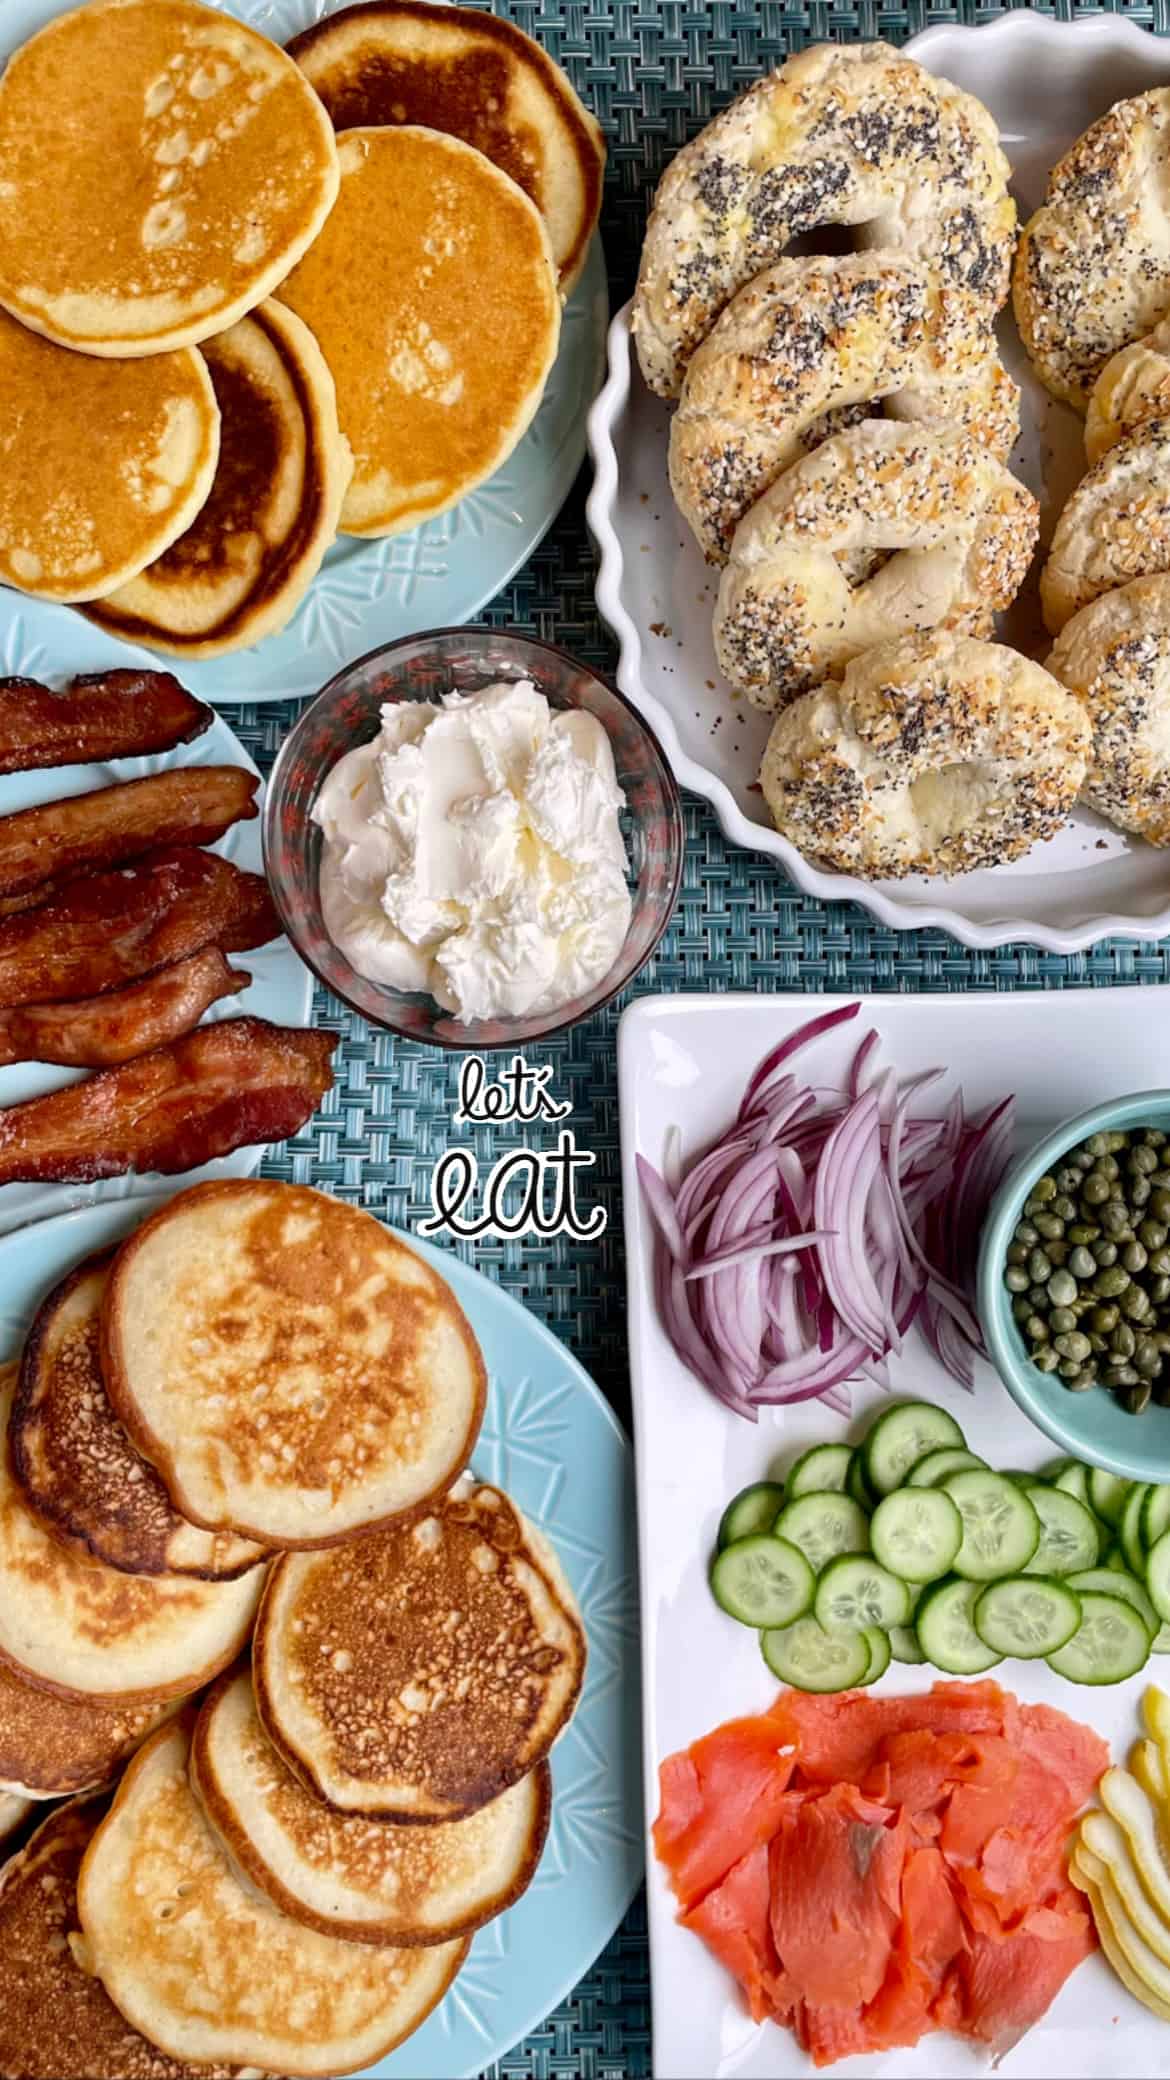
(1115, 656)
(800, 595)
(1093, 268)
(807, 338)
(1132, 388)
(1115, 527)
(841, 134)
(935, 754)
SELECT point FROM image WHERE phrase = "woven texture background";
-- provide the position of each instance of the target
(653, 70)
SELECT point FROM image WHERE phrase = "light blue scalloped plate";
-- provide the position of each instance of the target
(550, 1440)
(368, 593)
(281, 989)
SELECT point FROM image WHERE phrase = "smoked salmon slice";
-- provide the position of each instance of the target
(870, 1869)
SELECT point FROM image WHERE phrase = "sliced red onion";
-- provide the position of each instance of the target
(752, 1252)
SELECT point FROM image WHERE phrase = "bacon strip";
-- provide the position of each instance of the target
(188, 805)
(103, 715)
(222, 1087)
(100, 1032)
(108, 929)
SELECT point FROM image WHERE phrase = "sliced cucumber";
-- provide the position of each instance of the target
(819, 1471)
(1129, 1531)
(753, 1509)
(916, 1533)
(950, 1458)
(1001, 1530)
(1110, 1643)
(1026, 1615)
(904, 1644)
(1107, 1493)
(1072, 1479)
(1108, 1582)
(810, 1658)
(1069, 1541)
(762, 1581)
(945, 1631)
(857, 1485)
(823, 1525)
(901, 1437)
(880, 1651)
(1158, 1576)
(1155, 1513)
(856, 1591)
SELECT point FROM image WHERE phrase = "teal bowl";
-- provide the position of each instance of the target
(1092, 1425)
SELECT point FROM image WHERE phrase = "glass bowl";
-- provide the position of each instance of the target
(1092, 1425)
(421, 668)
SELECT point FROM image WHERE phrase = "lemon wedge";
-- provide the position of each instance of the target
(1110, 1846)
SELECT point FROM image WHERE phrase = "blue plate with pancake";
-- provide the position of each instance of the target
(551, 1441)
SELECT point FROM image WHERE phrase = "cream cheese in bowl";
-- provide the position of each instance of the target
(473, 850)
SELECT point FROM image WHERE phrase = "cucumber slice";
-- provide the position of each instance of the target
(1158, 1576)
(855, 1592)
(823, 1525)
(880, 1651)
(1069, 1540)
(1026, 1615)
(950, 1458)
(1110, 1643)
(916, 1532)
(810, 1658)
(857, 1485)
(819, 1471)
(1072, 1479)
(945, 1632)
(1155, 1513)
(1107, 1493)
(901, 1437)
(904, 1644)
(762, 1581)
(1001, 1529)
(753, 1509)
(1129, 1531)
(1110, 1583)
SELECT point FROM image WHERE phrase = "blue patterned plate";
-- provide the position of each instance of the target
(281, 989)
(552, 1442)
(368, 593)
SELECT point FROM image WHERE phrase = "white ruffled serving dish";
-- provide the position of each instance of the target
(1044, 82)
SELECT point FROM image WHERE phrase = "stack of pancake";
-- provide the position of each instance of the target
(252, 1417)
(181, 444)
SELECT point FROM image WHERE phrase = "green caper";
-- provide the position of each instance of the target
(1123, 1342)
(1045, 1188)
(1153, 1137)
(1081, 1380)
(1111, 1282)
(1105, 1253)
(1137, 1397)
(1159, 1290)
(1063, 1208)
(1062, 1287)
(1096, 1145)
(1016, 1253)
(1038, 1295)
(1045, 1359)
(1078, 1233)
(1082, 1264)
(1039, 1267)
(1103, 1319)
(1160, 1203)
(1142, 1161)
(1119, 1375)
(1114, 1220)
(1139, 1192)
(1016, 1279)
(1049, 1227)
(1134, 1257)
(1094, 1191)
(1152, 1233)
(1147, 1359)
(1056, 1252)
(1136, 1303)
(1036, 1329)
(1068, 1179)
(1025, 1232)
(1074, 1345)
(1160, 1262)
(1068, 1368)
(1060, 1321)
(1099, 1345)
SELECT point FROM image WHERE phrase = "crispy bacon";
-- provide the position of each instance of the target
(222, 1087)
(108, 929)
(103, 715)
(100, 1032)
(188, 805)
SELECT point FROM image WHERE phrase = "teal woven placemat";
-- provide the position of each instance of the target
(653, 70)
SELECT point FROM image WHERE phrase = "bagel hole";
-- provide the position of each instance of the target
(823, 241)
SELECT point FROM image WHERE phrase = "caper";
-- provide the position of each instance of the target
(1096, 1145)
(1111, 1282)
(1094, 1191)
(1081, 1232)
(1060, 1321)
(1134, 1257)
(1067, 1179)
(1056, 1252)
(1147, 1359)
(1081, 1380)
(1045, 1188)
(1036, 1329)
(1081, 1263)
(1068, 1368)
(1119, 1375)
(1039, 1267)
(1038, 1295)
(1025, 1232)
(1045, 1359)
(1160, 1203)
(1063, 1208)
(1136, 1303)
(1139, 1192)
(1142, 1161)
(1160, 1262)
(1105, 1253)
(1016, 1279)
(1152, 1233)
(1153, 1137)
(1123, 1342)
(1114, 1220)
(1137, 1397)
(1074, 1345)
(1099, 1346)
(1049, 1227)
(1062, 1287)
(1159, 1290)
(1103, 1319)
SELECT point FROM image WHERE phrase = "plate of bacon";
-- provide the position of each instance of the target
(151, 1014)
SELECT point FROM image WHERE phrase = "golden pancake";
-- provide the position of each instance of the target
(295, 1372)
(242, 569)
(103, 464)
(162, 166)
(51, 1747)
(56, 2022)
(419, 1672)
(433, 295)
(475, 76)
(208, 1968)
(77, 1628)
(366, 1880)
(79, 1473)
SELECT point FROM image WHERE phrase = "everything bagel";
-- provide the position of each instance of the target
(800, 597)
(935, 754)
(841, 134)
(1115, 527)
(1115, 656)
(806, 339)
(1133, 387)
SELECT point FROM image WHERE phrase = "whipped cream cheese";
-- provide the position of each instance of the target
(473, 851)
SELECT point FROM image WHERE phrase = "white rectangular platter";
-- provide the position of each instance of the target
(683, 1061)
